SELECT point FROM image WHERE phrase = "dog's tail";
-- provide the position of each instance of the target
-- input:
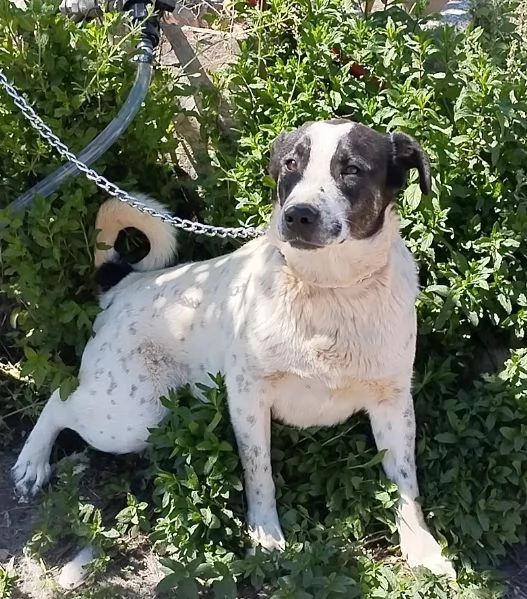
(112, 218)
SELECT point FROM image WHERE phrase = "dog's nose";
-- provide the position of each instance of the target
(301, 218)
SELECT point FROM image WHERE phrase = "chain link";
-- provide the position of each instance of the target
(180, 223)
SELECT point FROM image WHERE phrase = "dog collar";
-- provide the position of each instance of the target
(330, 285)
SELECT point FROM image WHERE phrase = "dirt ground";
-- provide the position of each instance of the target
(131, 576)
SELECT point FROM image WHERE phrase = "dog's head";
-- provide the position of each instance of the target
(336, 179)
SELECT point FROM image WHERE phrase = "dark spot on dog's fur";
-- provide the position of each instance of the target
(251, 419)
(111, 273)
(133, 390)
(410, 339)
(113, 384)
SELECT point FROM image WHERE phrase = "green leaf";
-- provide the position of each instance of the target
(413, 196)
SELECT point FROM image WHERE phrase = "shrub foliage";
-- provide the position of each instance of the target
(462, 95)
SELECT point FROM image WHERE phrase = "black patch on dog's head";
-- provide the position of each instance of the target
(289, 145)
(382, 163)
(359, 167)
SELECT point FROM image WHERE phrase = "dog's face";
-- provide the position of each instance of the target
(335, 180)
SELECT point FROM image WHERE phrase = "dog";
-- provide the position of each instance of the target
(309, 323)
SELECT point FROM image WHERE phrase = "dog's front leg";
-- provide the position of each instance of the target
(393, 425)
(251, 421)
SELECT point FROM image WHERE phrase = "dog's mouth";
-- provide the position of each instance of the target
(301, 244)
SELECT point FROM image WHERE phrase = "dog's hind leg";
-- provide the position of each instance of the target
(32, 468)
(393, 425)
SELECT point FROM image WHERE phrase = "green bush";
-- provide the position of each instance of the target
(76, 79)
(462, 95)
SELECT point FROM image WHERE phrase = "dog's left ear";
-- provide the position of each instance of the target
(408, 154)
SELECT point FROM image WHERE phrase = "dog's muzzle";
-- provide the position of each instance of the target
(304, 226)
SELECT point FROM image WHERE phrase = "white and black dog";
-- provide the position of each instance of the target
(309, 323)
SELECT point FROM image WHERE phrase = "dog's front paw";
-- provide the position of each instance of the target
(267, 532)
(421, 549)
(29, 475)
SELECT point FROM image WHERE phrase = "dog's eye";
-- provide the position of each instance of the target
(291, 165)
(350, 170)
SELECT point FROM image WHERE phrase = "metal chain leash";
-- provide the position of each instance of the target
(180, 223)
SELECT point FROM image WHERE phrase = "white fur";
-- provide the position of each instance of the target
(74, 572)
(306, 337)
